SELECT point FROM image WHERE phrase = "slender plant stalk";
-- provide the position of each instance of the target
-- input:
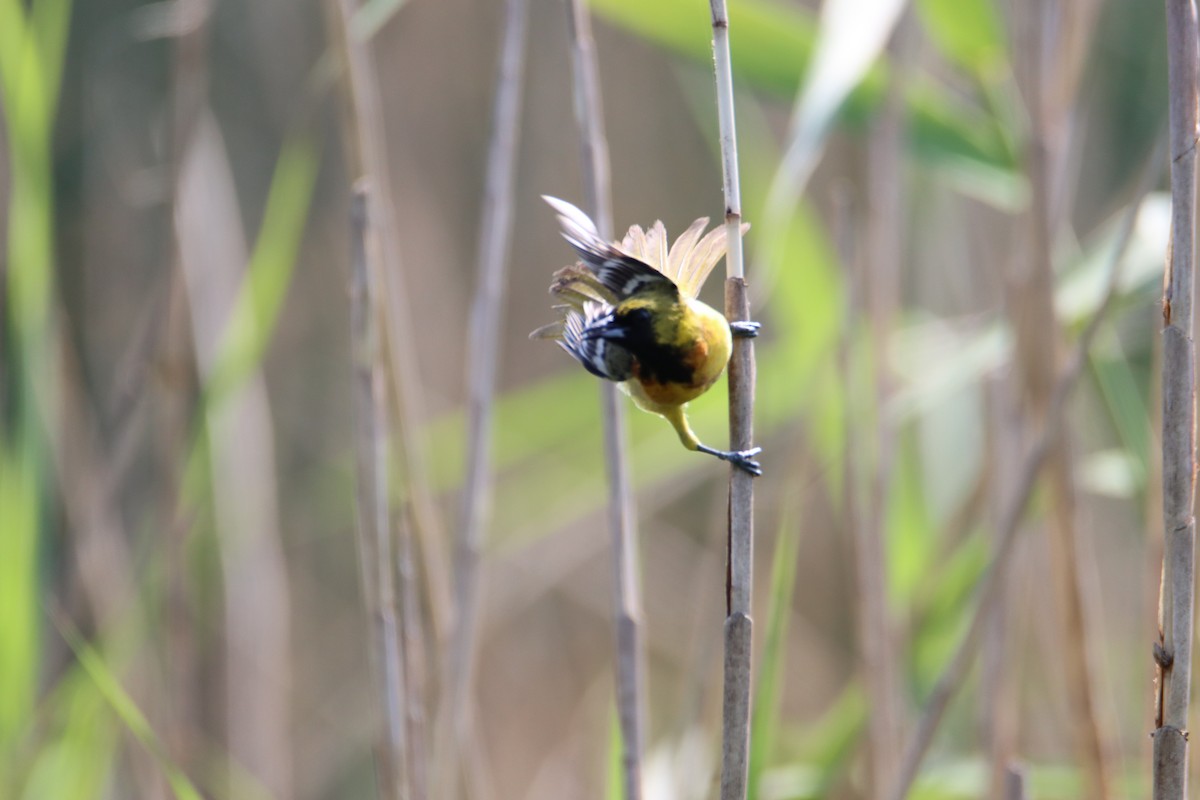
(589, 113)
(881, 293)
(368, 156)
(1015, 783)
(1174, 654)
(483, 350)
(864, 496)
(1037, 332)
(627, 601)
(412, 637)
(735, 744)
(242, 472)
(374, 518)
(184, 652)
(990, 591)
(998, 708)
(89, 483)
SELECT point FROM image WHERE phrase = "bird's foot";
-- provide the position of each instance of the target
(745, 329)
(742, 459)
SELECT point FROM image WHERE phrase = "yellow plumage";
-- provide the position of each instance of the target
(632, 316)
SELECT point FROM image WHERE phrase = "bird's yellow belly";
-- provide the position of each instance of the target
(707, 357)
(654, 396)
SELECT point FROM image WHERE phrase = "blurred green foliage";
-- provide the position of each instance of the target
(62, 730)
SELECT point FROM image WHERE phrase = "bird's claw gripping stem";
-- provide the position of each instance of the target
(745, 329)
(742, 459)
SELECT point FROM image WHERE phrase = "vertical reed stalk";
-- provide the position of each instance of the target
(735, 745)
(880, 284)
(1174, 653)
(626, 593)
(241, 450)
(368, 156)
(374, 518)
(1014, 784)
(412, 635)
(998, 707)
(483, 352)
(1037, 332)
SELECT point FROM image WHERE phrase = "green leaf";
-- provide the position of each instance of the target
(1085, 278)
(269, 273)
(772, 44)
(968, 34)
(110, 687)
(825, 748)
(850, 38)
(614, 776)
(911, 544)
(19, 589)
(1122, 392)
(50, 21)
(941, 130)
(76, 759)
(946, 609)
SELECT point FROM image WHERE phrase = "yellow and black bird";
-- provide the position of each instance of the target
(631, 316)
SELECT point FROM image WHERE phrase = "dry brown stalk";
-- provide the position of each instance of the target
(241, 448)
(1174, 651)
(739, 625)
(368, 157)
(881, 295)
(375, 541)
(483, 352)
(1031, 307)
(627, 603)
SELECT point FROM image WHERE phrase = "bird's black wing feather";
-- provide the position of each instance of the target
(621, 274)
(583, 337)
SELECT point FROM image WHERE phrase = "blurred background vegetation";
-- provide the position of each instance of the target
(180, 610)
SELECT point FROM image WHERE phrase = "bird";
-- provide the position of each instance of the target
(631, 315)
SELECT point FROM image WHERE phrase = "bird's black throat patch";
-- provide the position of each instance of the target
(663, 363)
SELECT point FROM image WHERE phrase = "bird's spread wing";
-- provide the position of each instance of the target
(621, 274)
(585, 335)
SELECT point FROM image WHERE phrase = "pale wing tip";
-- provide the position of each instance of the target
(571, 213)
(551, 331)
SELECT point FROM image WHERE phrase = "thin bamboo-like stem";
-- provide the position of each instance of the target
(1015, 783)
(1037, 334)
(735, 747)
(184, 652)
(627, 600)
(1174, 655)
(240, 440)
(862, 504)
(374, 519)
(483, 353)
(412, 637)
(998, 708)
(89, 483)
(368, 156)
(881, 294)
(955, 672)
(589, 113)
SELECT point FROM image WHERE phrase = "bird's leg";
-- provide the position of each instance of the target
(745, 329)
(742, 459)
